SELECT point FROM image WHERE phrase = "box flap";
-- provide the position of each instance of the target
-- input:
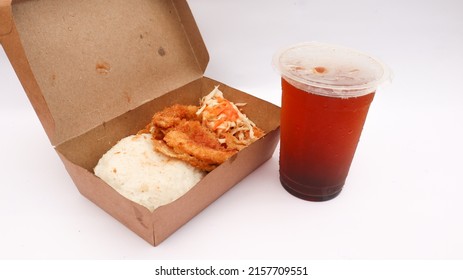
(6, 21)
(95, 60)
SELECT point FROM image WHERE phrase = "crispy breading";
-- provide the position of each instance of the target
(182, 142)
(162, 147)
(193, 143)
(181, 131)
(171, 116)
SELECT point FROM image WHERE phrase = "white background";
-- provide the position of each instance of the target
(403, 197)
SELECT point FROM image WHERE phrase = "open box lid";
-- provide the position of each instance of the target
(83, 63)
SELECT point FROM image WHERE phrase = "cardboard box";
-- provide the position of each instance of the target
(96, 71)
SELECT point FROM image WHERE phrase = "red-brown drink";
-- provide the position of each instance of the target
(319, 135)
(326, 93)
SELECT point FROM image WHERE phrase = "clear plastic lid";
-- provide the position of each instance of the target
(330, 70)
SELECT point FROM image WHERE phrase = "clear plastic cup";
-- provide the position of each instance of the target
(326, 94)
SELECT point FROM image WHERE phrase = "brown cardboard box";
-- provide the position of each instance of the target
(96, 71)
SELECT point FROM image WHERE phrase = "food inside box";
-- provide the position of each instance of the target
(176, 150)
(97, 71)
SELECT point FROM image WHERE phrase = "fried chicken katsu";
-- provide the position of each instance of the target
(203, 136)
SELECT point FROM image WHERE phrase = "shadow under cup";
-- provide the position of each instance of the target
(326, 93)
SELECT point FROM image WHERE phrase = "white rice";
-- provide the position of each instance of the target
(134, 169)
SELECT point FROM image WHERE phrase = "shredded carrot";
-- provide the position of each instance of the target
(218, 123)
(223, 116)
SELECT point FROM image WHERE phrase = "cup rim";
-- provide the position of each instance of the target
(326, 88)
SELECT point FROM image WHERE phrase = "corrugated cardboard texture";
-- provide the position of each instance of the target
(95, 60)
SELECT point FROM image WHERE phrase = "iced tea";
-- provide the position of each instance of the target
(319, 136)
(326, 93)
